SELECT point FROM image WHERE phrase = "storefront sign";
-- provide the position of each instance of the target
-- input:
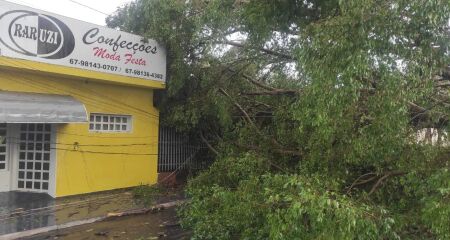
(30, 34)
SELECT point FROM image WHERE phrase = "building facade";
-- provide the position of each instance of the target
(76, 105)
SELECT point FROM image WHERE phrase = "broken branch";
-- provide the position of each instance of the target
(383, 178)
(272, 92)
(247, 117)
(202, 137)
(146, 210)
(358, 180)
(265, 50)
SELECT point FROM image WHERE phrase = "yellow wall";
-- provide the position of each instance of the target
(80, 172)
(75, 73)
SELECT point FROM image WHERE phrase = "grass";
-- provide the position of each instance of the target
(147, 194)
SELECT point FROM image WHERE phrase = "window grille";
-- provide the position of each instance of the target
(34, 157)
(3, 152)
(109, 123)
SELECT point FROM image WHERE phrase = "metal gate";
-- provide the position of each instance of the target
(178, 151)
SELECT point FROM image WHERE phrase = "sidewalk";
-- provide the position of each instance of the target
(26, 211)
(160, 225)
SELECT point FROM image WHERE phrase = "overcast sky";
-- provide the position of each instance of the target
(71, 9)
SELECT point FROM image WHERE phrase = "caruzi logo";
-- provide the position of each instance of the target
(34, 34)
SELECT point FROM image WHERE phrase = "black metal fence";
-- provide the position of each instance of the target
(178, 151)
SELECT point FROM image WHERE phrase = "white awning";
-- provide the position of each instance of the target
(20, 107)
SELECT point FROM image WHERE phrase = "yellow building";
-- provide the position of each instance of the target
(76, 105)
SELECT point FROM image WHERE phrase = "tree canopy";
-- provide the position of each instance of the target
(314, 111)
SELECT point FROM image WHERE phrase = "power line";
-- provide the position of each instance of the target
(36, 211)
(86, 98)
(75, 144)
(76, 148)
(25, 4)
(89, 7)
(106, 137)
(106, 153)
(75, 134)
(93, 102)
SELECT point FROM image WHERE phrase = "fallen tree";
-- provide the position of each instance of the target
(311, 110)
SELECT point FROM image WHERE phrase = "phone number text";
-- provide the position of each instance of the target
(140, 73)
(89, 64)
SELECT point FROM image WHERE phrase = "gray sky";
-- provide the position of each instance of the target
(70, 9)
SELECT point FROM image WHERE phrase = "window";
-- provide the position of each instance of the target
(2, 146)
(109, 123)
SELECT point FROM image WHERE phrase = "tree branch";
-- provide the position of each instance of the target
(422, 114)
(265, 50)
(258, 83)
(202, 137)
(270, 90)
(383, 178)
(358, 181)
(275, 92)
(247, 117)
(280, 148)
(443, 84)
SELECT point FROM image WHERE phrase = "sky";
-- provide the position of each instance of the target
(71, 9)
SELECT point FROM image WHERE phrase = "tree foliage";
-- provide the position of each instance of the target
(311, 110)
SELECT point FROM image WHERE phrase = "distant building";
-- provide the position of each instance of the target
(76, 104)
(432, 136)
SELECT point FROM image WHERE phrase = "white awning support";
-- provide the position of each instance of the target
(21, 107)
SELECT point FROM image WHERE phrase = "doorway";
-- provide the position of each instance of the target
(27, 157)
(5, 173)
(34, 157)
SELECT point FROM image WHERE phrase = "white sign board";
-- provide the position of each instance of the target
(30, 34)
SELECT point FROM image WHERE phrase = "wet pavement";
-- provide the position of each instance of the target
(160, 225)
(25, 211)
(18, 211)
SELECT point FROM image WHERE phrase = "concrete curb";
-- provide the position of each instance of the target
(36, 231)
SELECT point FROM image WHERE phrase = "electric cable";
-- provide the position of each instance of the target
(99, 152)
(89, 7)
(25, 4)
(76, 149)
(88, 100)
(16, 140)
(106, 153)
(33, 212)
(94, 101)
(111, 137)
